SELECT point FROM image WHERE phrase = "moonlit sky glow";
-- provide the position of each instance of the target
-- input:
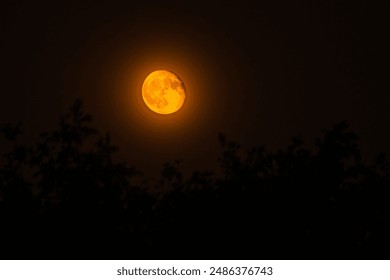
(121, 66)
(257, 72)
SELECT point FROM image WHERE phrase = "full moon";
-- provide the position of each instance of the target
(163, 92)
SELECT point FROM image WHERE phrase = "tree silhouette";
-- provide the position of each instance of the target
(67, 188)
(65, 196)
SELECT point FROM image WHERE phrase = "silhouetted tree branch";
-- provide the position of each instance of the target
(327, 202)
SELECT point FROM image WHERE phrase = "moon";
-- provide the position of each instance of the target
(163, 92)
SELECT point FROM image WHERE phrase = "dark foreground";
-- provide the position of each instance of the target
(64, 197)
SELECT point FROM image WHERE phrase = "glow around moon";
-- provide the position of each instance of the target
(163, 92)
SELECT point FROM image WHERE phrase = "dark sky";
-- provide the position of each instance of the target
(259, 71)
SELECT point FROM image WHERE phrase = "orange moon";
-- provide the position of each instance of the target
(163, 92)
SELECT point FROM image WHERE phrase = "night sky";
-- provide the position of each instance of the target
(261, 71)
(256, 73)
